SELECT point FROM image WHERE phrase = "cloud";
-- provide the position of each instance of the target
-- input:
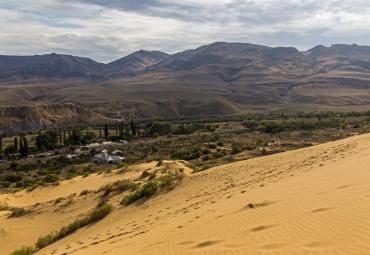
(107, 30)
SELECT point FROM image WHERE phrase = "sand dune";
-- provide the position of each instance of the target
(310, 201)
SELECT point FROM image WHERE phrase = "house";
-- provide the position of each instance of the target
(15, 156)
(104, 157)
(71, 156)
(107, 143)
(123, 141)
(117, 153)
(3, 158)
(93, 146)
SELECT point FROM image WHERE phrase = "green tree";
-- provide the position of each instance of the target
(106, 131)
(21, 149)
(133, 127)
(10, 149)
(47, 140)
(25, 146)
(88, 137)
(1, 144)
(16, 144)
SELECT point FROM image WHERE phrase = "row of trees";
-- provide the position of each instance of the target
(21, 147)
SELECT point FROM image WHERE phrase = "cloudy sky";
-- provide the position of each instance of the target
(106, 30)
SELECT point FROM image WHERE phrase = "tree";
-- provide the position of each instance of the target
(47, 140)
(88, 137)
(21, 149)
(16, 144)
(10, 149)
(25, 146)
(39, 143)
(76, 136)
(106, 131)
(1, 143)
(133, 127)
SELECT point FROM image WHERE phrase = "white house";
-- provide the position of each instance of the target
(71, 156)
(107, 144)
(117, 153)
(104, 157)
(93, 145)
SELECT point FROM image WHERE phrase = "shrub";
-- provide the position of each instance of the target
(147, 190)
(235, 149)
(169, 179)
(7, 184)
(160, 162)
(13, 177)
(84, 192)
(54, 236)
(58, 200)
(13, 165)
(51, 178)
(212, 146)
(25, 250)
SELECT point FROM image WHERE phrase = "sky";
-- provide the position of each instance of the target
(106, 30)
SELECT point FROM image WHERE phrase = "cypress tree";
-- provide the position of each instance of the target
(133, 127)
(106, 131)
(25, 146)
(60, 136)
(39, 144)
(1, 143)
(16, 144)
(138, 130)
(21, 148)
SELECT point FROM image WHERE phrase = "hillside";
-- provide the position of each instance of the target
(214, 79)
(34, 117)
(308, 201)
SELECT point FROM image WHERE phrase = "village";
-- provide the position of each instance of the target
(72, 152)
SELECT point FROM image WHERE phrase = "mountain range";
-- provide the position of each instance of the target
(219, 78)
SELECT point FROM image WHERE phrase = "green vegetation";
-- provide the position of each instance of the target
(94, 216)
(25, 250)
(119, 186)
(202, 141)
(146, 191)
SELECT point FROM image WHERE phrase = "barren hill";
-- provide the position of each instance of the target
(220, 78)
(308, 201)
(33, 117)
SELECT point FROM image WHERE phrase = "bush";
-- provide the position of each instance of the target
(84, 192)
(169, 179)
(120, 185)
(13, 165)
(146, 191)
(235, 149)
(54, 236)
(25, 250)
(51, 178)
(7, 184)
(13, 177)
(212, 146)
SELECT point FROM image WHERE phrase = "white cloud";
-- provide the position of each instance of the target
(107, 30)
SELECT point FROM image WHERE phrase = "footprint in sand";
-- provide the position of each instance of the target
(186, 243)
(207, 243)
(262, 228)
(272, 246)
(324, 209)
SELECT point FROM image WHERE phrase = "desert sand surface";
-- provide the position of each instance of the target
(314, 200)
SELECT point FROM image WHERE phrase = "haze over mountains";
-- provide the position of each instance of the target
(220, 78)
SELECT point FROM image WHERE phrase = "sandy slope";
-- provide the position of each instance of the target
(309, 201)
